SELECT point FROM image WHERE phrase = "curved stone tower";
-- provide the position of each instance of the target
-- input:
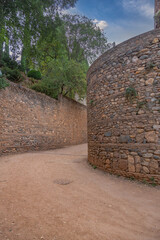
(124, 109)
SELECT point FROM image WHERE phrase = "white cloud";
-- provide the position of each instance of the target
(101, 24)
(71, 11)
(143, 7)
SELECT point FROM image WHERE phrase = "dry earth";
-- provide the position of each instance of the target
(56, 195)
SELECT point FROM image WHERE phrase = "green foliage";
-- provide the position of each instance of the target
(10, 63)
(92, 102)
(130, 93)
(84, 39)
(60, 46)
(21, 22)
(94, 166)
(142, 105)
(63, 77)
(3, 83)
(68, 77)
(153, 183)
(34, 74)
(47, 89)
(13, 75)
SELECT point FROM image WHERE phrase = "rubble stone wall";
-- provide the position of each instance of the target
(124, 109)
(33, 121)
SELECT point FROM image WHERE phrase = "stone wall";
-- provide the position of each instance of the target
(157, 16)
(157, 5)
(124, 133)
(33, 121)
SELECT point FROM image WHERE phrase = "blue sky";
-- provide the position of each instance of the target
(120, 19)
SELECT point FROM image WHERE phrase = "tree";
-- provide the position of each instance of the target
(84, 39)
(63, 53)
(22, 19)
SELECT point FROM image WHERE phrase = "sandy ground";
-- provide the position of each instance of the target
(56, 195)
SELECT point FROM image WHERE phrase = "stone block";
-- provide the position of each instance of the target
(131, 159)
(145, 169)
(123, 165)
(125, 139)
(138, 168)
(108, 134)
(151, 137)
(131, 168)
(150, 81)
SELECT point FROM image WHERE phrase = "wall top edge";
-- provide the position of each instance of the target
(127, 42)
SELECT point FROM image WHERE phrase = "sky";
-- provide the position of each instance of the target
(120, 19)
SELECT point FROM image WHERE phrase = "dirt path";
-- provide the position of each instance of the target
(56, 195)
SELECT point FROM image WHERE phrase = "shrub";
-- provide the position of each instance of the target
(130, 94)
(43, 88)
(34, 74)
(12, 75)
(3, 83)
(8, 62)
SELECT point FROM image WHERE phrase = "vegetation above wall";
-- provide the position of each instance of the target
(36, 36)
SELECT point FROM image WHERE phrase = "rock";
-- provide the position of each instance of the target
(137, 159)
(150, 81)
(140, 130)
(143, 57)
(140, 138)
(130, 159)
(145, 163)
(140, 112)
(124, 156)
(138, 168)
(154, 164)
(108, 163)
(157, 152)
(145, 169)
(148, 155)
(125, 139)
(141, 69)
(156, 40)
(108, 134)
(123, 165)
(151, 137)
(131, 168)
(156, 127)
(134, 59)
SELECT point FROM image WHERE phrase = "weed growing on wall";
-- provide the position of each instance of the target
(142, 104)
(131, 93)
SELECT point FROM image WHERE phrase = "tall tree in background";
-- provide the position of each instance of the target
(64, 51)
(84, 39)
(22, 19)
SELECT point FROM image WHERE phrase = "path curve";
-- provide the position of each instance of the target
(56, 195)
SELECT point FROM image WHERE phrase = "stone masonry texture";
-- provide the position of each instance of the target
(157, 18)
(33, 121)
(124, 132)
(157, 5)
